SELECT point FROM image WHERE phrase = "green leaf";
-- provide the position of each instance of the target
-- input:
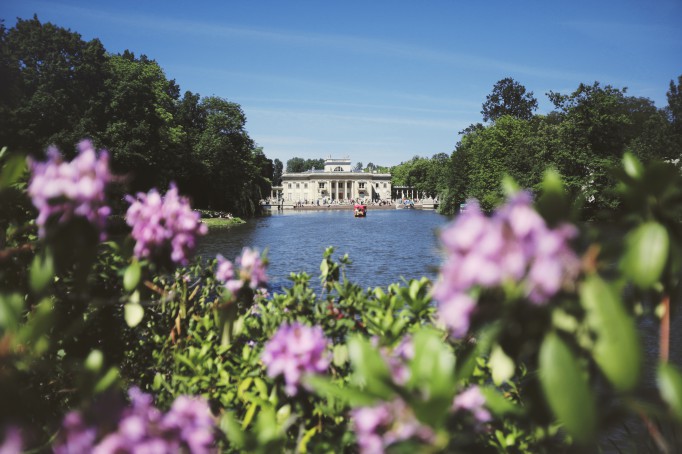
(231, 428)
(432, 372)
(497, 403)
(509, 186)
(352, 396)
(553, 204)
(632, 166)
(11, 307)
(94, 361)
(646, 253)
(107, 381)
(566, 389)
(502, 366)
(133, 313)
(131, 277)
(670, 387)
(433, 365)
(42, 271)
(303, 445)
(12, 170)
(340, 353)
(616, 349)
(283, 414)
(370, 369)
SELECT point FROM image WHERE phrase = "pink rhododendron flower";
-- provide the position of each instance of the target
(380, 426)
(296, 350)
(187, 427)
(164, 225)
(514, 244)
(71, 189)
(473, 401)
(252, 268)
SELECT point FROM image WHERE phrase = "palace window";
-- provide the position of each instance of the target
(361, 185)
(289, 185)
(305, 185)
(321, 185)
(384, 185)
(298, 185)
(338, 169)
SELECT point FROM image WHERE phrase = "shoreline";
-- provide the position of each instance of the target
(273, 208)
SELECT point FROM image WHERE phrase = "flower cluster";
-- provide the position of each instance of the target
(188, 425)
(251, 271)
(296, 350)
(71, 189)
(163, 224)
(12, 440)
(382, 425)
(473, 401)
(514, 245)
(398, 358)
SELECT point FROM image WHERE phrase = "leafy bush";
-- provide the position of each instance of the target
(527, 342)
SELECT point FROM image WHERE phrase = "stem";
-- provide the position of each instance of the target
(655, 434)
(664, 340)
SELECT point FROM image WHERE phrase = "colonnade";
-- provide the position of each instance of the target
(342, 189)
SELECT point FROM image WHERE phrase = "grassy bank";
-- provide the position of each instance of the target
(216, 223)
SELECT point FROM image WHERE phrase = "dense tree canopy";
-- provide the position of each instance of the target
(509, 98)
(428, 176)
(583, 139)
(56, 88)
(296, 164)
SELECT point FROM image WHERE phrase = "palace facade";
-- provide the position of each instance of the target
(336, 182)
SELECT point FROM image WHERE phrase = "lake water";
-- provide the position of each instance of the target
(384, 246)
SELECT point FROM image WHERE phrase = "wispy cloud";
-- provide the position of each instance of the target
(627, 34)
(347, 43)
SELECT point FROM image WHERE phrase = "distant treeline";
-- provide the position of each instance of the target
(582, 138)
(56, 89)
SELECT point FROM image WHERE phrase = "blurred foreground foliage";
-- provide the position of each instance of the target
(82, 320)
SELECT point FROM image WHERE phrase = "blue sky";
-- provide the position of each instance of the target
(380, 81)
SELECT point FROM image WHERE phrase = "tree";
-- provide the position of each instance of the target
(277, 173)
(296, 165)
(674, 108)
(358, 167)
(312, 164)
(674, 113)
(509, 98)
(51, 86)
(141, 127)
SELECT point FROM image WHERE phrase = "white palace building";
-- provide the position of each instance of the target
(337, 182)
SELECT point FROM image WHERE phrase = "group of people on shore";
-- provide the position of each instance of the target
(327, 202)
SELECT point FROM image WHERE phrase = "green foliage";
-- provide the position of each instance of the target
(582, 140)
(297, 165)
(80, 319)
(58, 88)
(566, 388)
(616, 347)
(427, 176)
(509, 98)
